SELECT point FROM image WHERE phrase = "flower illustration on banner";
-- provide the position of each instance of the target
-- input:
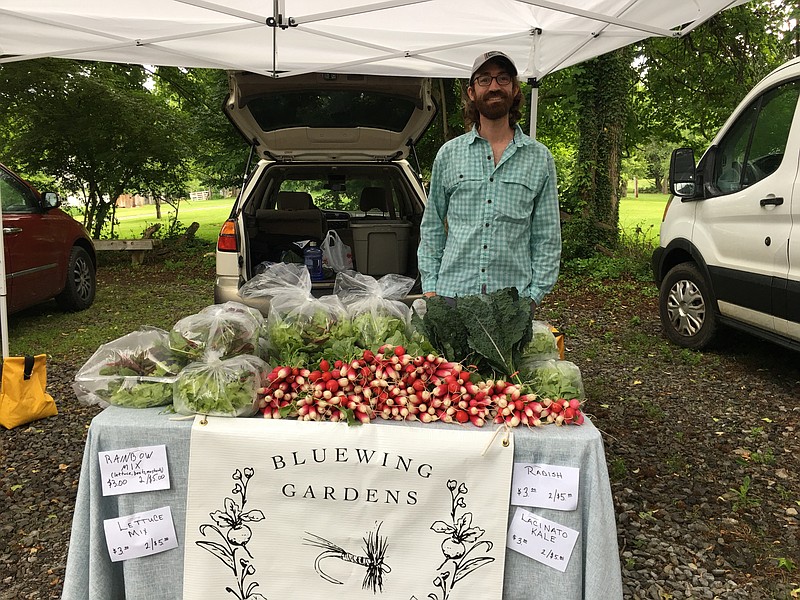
(230, 525)
(375, 546)
(462, 548)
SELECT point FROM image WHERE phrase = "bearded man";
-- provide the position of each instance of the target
(492, 217)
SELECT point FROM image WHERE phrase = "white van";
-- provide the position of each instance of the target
(729, 252)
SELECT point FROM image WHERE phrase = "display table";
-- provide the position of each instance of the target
(593, 572)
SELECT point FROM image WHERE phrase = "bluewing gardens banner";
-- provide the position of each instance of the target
(285, 509)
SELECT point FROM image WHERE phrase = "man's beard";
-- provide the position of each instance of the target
(494, 110)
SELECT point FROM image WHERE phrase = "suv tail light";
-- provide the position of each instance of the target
(226, 241)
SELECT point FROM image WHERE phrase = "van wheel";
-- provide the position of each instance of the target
(81, 284)
(687, 307)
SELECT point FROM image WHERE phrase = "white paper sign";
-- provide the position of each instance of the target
(140, 534)
(134, 470)
(541, 539)
(324, 511)
(545, 486)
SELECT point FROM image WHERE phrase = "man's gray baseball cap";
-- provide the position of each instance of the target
(495, 55)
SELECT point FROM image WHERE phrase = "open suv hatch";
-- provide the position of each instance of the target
(332, 152)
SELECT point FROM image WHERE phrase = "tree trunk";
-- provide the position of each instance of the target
(603, 87)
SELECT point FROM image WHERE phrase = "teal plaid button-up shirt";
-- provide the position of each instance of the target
(502, 222)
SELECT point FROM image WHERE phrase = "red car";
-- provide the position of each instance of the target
(48, 254)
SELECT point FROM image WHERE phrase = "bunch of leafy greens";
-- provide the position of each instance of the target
(136, 393)
(225, 388)
(485, 330)
(296, 340)
(555, 379)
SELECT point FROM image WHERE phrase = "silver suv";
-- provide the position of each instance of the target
(332, 152)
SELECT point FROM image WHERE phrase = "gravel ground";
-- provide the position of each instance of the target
(702, 452)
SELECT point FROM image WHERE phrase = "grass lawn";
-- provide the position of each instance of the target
(644, 212)
(211, 214)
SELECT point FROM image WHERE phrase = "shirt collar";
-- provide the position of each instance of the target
(520, 139)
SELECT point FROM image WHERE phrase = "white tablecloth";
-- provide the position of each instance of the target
(593, 572)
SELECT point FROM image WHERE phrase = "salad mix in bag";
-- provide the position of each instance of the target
(543, 345)
(219, 331)
(375, 307)
(301, 328)
(221, 388)
(136, 370)
(555, 379)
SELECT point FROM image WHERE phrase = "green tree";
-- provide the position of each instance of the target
(449, 122)
(603, 87)
(94, 128)
(691, 84)
(220, 156)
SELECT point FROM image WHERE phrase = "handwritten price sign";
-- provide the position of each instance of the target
(140, 534)
(545, 486)
(134, 470)
(542, 540)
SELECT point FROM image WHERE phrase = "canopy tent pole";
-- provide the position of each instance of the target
(3, 291)
(534, 83)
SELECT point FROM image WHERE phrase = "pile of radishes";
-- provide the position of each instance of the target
(393, 385)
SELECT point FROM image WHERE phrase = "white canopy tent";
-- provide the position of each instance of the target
(280, 38)
(436, 38)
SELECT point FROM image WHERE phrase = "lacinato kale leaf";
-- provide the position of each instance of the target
(486, 330)
(444, 329)
(498, 326)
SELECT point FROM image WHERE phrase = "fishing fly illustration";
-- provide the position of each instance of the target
(374, 549)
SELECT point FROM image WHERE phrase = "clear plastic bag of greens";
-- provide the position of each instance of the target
(221, 388)
(555, 379)
(375, 307)
(543, 345)
(219, 331)
(301, 329)
(136, 370)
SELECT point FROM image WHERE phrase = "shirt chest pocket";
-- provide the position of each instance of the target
(515, 197)
(464, 192)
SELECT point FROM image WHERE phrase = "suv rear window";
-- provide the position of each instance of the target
(337, 109)
(347, 188)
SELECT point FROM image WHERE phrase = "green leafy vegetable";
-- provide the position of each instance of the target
(488, 330)
(543, 346)
(555, 379)
(135, 371)
(444, 329)
(223, 388)
(132, 393)
(219, 330)
(299, 340)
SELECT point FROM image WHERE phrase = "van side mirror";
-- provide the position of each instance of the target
(51, 200)
(682, 173)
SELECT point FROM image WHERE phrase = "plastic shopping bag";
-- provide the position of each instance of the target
(335, 253)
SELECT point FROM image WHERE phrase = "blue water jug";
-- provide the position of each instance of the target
(312, 256)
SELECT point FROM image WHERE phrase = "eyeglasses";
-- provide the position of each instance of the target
(486, 80)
